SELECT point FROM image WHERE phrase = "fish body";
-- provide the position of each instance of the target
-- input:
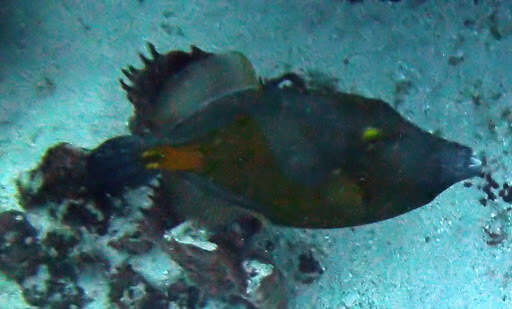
(303, 160)
(302, 157)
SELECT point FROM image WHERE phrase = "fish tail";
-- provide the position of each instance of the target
(116, 164)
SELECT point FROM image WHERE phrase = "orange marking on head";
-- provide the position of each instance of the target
(183, 158)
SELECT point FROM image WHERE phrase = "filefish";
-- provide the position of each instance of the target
(300, 155)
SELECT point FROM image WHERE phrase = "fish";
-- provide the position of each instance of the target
(299, 155)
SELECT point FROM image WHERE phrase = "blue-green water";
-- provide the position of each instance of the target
(443, 65)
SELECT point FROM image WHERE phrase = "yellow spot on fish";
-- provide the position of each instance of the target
(152, 154)
(152, 166)
(371, 134)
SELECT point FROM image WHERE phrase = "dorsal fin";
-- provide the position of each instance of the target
(172, 87)
(145, 84)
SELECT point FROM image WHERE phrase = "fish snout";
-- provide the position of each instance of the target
(475, 164)
(459, 162)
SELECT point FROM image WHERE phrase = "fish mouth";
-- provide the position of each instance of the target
(475, 164)
(458, 162)
(471, 167)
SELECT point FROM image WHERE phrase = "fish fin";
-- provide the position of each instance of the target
(145, 84)
(312, 81)
(287, 80)
(173, 86)
(115, 165)
(180, 158)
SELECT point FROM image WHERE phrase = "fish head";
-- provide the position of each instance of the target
(401, 166)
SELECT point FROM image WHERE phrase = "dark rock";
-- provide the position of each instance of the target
(215, 270)
(59, 176)
(63, 269)
(20, 251)
(264, 284)
(129, 289)
(161, 216)
(488, 187)
(309, 268)
(86, 213)
(483, 201)
(237, 235)
(185, 296)
(490, 195)
(88, 259)
(44, 291)
(506, 193)
(494, 237)
(221, 270)
(496, 230)
(308, 264)
(132, 243)
(493, 183)
(61, 242)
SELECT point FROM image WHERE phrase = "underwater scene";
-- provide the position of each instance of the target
(255, 154)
